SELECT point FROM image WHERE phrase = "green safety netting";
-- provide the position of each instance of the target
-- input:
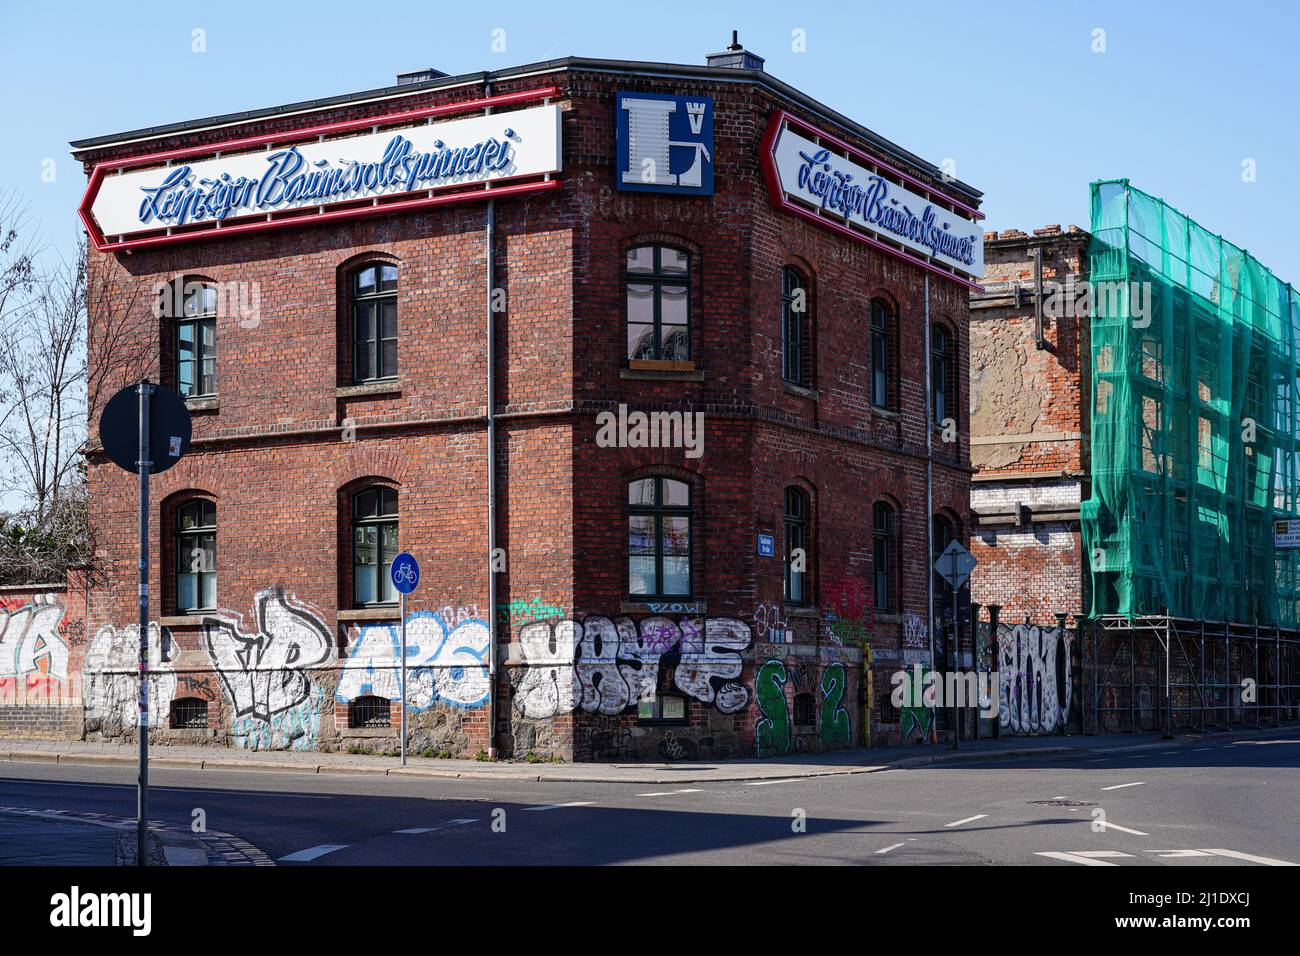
(1195, 439)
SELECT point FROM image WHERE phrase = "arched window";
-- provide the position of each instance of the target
(373, 295)
(881, 329)
(657, 288)
(196, 341)
(796, 545)
(196, 555)
(374, 545)
(659, 538)
(884, 551)
(796, 328)
(943, 378)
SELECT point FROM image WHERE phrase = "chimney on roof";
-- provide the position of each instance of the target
(735, 56)
(419, 76)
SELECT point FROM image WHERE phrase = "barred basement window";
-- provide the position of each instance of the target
(803, 709)
(366, 712)
(189, 713)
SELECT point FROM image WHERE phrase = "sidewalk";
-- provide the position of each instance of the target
(803, 765)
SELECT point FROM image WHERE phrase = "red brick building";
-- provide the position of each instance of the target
(586, 591)
(1030, 366)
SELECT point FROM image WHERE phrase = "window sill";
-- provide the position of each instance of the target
(809, 393)
(208, 404)
(800, 610)
(662, 374)
(189, 619)
(887, 413)
(387, 613)
(369, 388)
(888, 617)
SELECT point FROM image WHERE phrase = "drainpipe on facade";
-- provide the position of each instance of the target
(929, 501)
(491, 464)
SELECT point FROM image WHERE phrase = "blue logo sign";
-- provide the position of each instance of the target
(405, 572)
(665, 143)
(766, 545)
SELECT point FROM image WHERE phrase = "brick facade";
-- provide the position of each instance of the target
(280, 663)
(1029, 424)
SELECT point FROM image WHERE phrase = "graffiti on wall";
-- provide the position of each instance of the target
(849, 612)
(604, 665)
(914, 715)
(1034, 677)
(446, 662)
(33, 653)
(111, 691)
(521, 611)
(773, 732)
(833, 724)
(265, 673)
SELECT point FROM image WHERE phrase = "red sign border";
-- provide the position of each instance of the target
(311, 215)
(767, 158)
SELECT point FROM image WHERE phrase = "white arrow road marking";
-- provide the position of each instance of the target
(1086, 857)
(561, 806)
(312, 852)
(1121, 786)
(1115, 826)
(1264, 860)
(957, 823)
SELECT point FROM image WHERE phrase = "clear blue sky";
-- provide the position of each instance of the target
(1011, 91)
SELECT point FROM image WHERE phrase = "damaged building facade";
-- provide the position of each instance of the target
(642, 362)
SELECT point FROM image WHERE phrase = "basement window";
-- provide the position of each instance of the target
(366, 712)
(189, 713)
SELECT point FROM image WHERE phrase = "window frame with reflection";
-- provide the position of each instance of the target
(798, 505)
(652, 526)
(196, 341)
(195, 527)
(374, 521)
(657, 283)
(378, 308)
(881, 320)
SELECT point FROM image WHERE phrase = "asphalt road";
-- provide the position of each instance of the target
(1220, 804)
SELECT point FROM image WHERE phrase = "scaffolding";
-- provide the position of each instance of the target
(1158, 672)
(1195, 450)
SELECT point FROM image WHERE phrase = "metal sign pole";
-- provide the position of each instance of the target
(145, 392)
(402, 611)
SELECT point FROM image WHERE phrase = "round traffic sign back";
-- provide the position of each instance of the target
(169, 428)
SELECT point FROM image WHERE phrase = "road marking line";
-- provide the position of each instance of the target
(957, 823)
(1115, 826)
(764, 783)
(1175, 854)
(1165, 752)
(1264, 860)
(1201, 750)
(888, 848)
(561, 806)
(195, 789)
(312, 852)
(1083, 859)
(416, 830)
(669, 793)
(1098, 760)
(462, 821)
(1121, 786)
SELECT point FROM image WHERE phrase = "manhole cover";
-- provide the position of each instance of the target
(1064, 803)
